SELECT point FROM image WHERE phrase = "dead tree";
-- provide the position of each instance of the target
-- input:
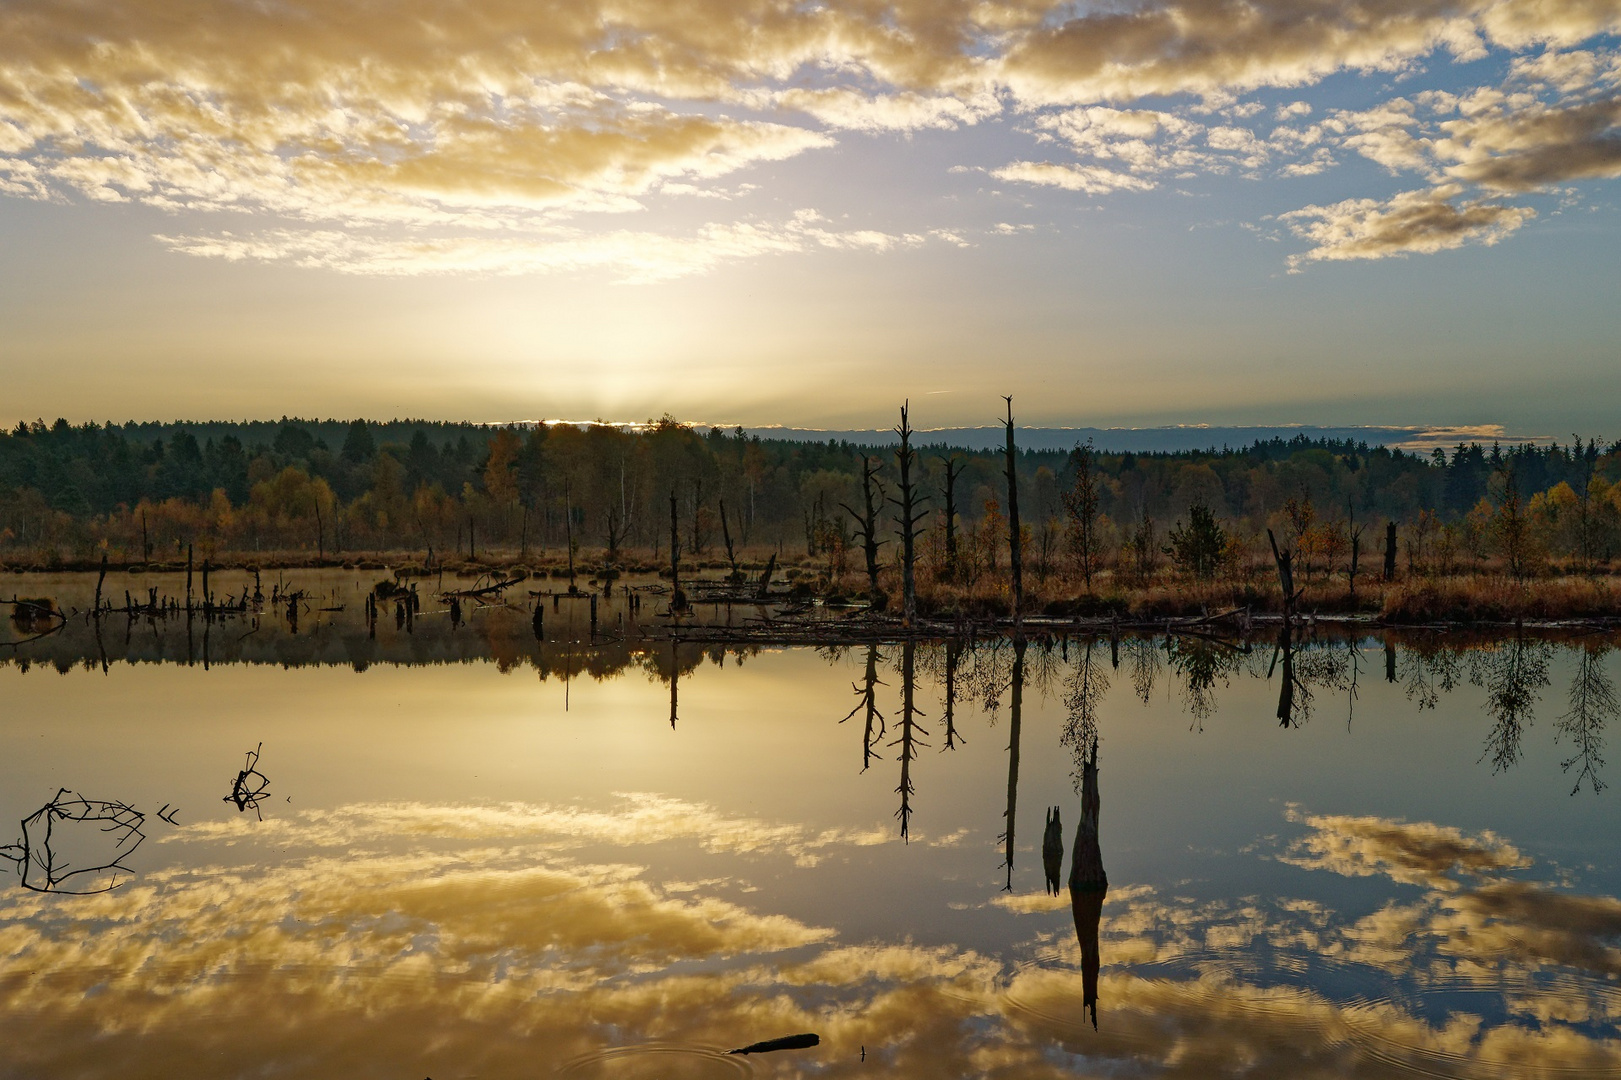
(731, 555)
(954, 467)
(1015, 552)
(678, 599)
(872, 497)
(910, 515)
(1390, 551)
(1286, 576)
(568, 532)
(1355, 532)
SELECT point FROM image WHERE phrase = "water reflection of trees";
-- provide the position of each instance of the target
(1426, 670)
(1306, 668)
(1200, 663)
(1084, 691)
(1511, 672)
(1592, 705)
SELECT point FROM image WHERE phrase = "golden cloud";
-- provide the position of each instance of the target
(1413, 854)
(512, 960)
(472, 137)
(1411, 222)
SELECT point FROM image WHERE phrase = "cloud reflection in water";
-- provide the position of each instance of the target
(377, 949)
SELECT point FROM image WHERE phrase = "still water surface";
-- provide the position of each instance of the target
(474, 854)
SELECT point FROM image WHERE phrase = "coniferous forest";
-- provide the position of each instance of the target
(1091, 521)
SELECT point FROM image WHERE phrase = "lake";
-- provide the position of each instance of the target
(343, 848)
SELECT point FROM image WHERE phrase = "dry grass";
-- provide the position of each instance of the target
(1478, 598)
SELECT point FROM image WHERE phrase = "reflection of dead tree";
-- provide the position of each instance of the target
(867, 692)
(1088, 885)
(1303, 673)
(1015, 716)
(1428, 673)
(953, 656)
(43, 869)
(1145, 667)
(1511, 673)
(1052, 850)
(1592, 705)
(1087, 686)
(1200, 662)
(251, 786)
(908, 742)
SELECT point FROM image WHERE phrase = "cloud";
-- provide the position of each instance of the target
(641, 818)
(1413, 854)
(633, 256)
(1091, 179)
(476, 135)
(485, 951)
(1505, 148)
(1411, 222)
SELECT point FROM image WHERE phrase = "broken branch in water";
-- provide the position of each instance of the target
(787, 1042)
(251, 786)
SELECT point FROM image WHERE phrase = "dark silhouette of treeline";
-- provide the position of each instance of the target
(463, 491)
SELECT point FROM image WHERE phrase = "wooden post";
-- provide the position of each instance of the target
(1390, 551)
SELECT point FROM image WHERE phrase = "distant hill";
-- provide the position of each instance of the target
(1182, 437)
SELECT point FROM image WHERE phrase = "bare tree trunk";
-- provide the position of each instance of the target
(871, 489)
(1286, 576)
(909, 518)
(678, 599)
(568, 527)
(1015, 554)
(726, 534)
(952, 569)
(1390, 551)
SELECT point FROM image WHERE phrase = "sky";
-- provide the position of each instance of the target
(1398, 212)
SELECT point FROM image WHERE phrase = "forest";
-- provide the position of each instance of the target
(297, 491)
